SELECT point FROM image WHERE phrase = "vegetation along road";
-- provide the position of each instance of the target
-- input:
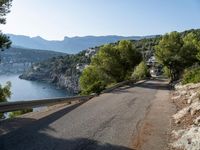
(122, 119)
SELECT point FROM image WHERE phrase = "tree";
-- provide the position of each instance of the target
(92, 80)
(167, 53)
(177, 52)
(4, 9)
(141, 71)
(4, 94)
(129, 56)
(112, 63)
(108, 61)
(190, 50)
(4, 43)
(191, 75)
(117, 61)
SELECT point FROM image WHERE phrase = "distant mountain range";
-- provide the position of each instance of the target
(70, 45)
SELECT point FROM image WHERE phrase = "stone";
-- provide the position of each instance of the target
(197, 121)
(181, 114)
(194, 107)
(189, 139)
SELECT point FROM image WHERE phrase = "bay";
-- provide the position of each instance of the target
(30, 90)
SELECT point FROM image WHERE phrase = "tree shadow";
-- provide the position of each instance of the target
(13, 124)
(33, 137)
(158, 83)
(122, 89)
(154, 85)
(41, 141)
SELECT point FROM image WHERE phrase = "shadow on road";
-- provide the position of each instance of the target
(35, 140)
(154, 85)
(11, 124)
(157, 84)
(34, 137)
(41, 141)
(36, 124)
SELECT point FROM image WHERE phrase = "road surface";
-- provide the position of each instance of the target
(107, 122)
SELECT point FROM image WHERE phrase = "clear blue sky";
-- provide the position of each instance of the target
(54, 19)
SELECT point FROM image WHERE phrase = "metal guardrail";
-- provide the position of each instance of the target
(116, 86)
(20, 105)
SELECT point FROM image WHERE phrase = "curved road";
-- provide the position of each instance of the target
(109, 121)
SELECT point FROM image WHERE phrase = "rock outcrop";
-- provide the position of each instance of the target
(187, 119)
(63, 71)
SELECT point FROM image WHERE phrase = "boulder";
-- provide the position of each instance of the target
(180, 114)
(188, 139)
(197, 121)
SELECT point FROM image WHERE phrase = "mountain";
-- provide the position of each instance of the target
(70, 45)
(17, 60)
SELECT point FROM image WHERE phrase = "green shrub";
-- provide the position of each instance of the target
(5, 93)
(19, 112)
(96, 87)
(166, 72)
(113, 63)
(191, 75)
(141, 71)
(92, 81)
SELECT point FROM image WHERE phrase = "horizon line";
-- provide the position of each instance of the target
(89, 35)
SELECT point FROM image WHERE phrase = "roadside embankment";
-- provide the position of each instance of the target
(186, 125)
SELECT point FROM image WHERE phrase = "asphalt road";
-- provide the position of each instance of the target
(106, 122)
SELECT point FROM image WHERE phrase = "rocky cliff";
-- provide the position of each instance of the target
(63, 71)
(186, 122)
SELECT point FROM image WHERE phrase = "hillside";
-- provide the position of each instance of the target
(65, 71)
(16, 60)
(69, 45)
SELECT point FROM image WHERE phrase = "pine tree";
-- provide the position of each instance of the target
(4, 9)
(4, 44)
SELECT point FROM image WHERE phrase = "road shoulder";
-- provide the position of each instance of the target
(154, 129)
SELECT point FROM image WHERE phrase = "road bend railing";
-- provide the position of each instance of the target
(20, 105)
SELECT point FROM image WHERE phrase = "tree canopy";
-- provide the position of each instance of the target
(111, 64)
(4, 43)
(4, 9)
(177, 52)
(4, 93)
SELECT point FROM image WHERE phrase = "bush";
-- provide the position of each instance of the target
(96, 87)
(191, 75)
(166, 72)
(141, 71)
(111, 64)
(4, 94)
(19, 112)
(92, 81)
